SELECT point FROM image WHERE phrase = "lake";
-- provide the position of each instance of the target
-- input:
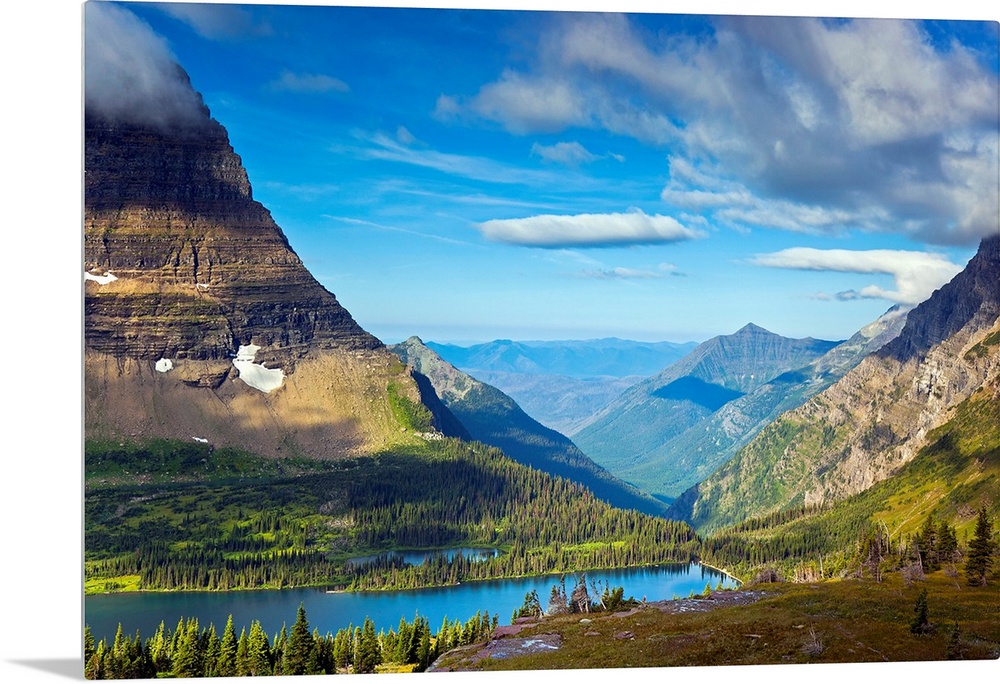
(331, 612)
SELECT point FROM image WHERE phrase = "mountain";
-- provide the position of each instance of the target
(628, 433)
(201, 322)
(564, 383)
(560, 402)
(694, 454)
(611, 357)
(491, 417)
(873, 421)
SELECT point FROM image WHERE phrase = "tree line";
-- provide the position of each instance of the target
(192, 650)
(299, 531)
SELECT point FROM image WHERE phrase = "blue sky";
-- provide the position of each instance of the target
(471, 175)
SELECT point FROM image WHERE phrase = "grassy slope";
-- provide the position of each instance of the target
(851, 620)
(953, 476)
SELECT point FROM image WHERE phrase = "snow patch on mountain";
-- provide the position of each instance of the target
(255, 374)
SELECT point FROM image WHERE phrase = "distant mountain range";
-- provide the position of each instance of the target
(692, 455)
(563, 384)
(492, 417)
(573, 358)
(628, 436)
(869, 424)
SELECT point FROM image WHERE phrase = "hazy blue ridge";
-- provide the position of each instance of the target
(491, 417)
(628, 436)
(574, 358)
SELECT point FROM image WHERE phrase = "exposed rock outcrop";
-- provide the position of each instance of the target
(188, 270)
(875, 419)
(201, 266)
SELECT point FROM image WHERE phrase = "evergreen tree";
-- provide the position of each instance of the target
(342, 649)
(926, 541)
(94, 668)
(243, 654)
(187, 658)
(947, 543)
(226, 666)
(368, 657)
(258, 652)
(159, 649)
(300, 652)
(278, 652)
(212, 650)
(424, 649)
(980, 557)
(88, 644)
(919, 623)
(954, 650)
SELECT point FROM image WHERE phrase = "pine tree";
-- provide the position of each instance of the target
(278, 652)
(258, 657)
(243, 654)
(980, 558)
(226, 666)
(947, 543)
(424, 649)
(368, 656)
(927, 544)
(187, 657)
(954, 650)
(342, 648)
(212, 649)
(919, 624)
(159, 649)
(300, 652)
(88, 643)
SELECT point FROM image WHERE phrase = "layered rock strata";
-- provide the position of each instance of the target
(201, 267)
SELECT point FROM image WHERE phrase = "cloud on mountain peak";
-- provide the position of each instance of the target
(131, 76)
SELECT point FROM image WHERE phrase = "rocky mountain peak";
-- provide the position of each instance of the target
(752, 329)
(972, 296)
(200, 268)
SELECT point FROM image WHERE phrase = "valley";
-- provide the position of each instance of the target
(740, 498)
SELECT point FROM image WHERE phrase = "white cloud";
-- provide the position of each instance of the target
(587, 230)
(625, 273)
(620, 273)
(404, 136)
(916, 274)
(523, 104)
(290, 82)
(568, 153)
(819, 125)
(130, 75)
(216, 22)
(392, 148)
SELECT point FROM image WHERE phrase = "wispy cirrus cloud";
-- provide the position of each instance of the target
(291, 82)
(916, 274)
(473, 167)
(570, 154)
(217, 22)
(587, 230)
(624, 273)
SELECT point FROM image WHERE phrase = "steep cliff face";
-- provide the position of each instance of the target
(201, 267)
(202, 323)
(876, 418)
